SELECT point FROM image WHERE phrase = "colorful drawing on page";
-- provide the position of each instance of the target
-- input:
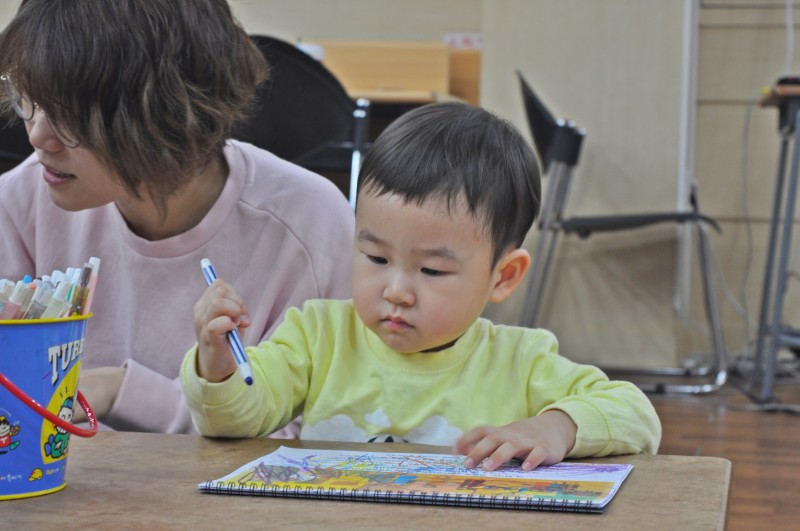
(289, 468)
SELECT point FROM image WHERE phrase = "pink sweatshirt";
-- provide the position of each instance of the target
(278, 233)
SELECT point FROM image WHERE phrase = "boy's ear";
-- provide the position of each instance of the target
(508, 273)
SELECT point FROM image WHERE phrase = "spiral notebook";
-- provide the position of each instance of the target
(431, 479)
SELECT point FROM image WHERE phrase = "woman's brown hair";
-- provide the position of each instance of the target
(152, 87)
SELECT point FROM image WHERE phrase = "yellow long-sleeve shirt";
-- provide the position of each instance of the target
(349, 386)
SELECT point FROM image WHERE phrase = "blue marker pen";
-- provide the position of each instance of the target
(233, 336)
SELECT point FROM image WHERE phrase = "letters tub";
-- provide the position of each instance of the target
(40, 361)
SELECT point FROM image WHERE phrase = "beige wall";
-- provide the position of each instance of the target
(359, 19)
(7, 10)
(345, 19)
(618, 79)
(741, 51)
(614, 67)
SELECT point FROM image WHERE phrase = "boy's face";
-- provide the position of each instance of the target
(421, 275)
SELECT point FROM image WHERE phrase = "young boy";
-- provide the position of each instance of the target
(447, 194)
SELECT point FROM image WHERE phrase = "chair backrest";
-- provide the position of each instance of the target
(558, 143)
(541, 123)
(555, 139)
(300, 108)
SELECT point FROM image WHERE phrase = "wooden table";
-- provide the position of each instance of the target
(120, 480)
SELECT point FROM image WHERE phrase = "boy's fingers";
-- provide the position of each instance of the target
(468, 440)
(502, 455)
(535, 458)
(221, 289)
(481, 450)
(219, 325)
(224, 307)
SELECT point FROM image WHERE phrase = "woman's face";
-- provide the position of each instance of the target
(75, 177)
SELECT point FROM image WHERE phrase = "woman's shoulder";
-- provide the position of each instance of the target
(306, 204)
(270, 180)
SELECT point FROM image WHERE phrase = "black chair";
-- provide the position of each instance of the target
(559, 143)
(304, 115)
(14, 144)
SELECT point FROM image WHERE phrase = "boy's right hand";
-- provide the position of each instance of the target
(541, 440)
(219, 310)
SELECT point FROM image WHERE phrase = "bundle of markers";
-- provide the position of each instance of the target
(54, 296)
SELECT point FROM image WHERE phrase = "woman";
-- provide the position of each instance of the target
(130, 106)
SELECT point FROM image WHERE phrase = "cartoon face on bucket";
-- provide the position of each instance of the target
(7, 434)
(57, 443)
(64, 360)
(44, 361)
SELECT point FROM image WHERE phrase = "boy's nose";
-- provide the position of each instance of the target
(398, 291)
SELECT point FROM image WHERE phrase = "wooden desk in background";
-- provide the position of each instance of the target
(398, 76)
(417, 69)
(149, 481)
(775, 95)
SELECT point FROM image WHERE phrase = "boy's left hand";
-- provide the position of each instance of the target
(541, 440)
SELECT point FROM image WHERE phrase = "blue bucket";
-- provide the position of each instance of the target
(40, 361)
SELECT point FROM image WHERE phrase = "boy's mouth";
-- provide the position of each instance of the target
(396, 323)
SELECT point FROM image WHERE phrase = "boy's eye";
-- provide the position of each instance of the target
(377, 259)
(432, 272)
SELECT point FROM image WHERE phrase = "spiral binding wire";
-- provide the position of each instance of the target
(412, 497)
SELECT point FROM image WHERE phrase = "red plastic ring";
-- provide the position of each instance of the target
(55, 419)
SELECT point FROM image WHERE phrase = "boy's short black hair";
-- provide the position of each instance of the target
(152, 87)
(457, 152)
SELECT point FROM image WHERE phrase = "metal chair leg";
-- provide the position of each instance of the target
(718, 369)
(545, 244)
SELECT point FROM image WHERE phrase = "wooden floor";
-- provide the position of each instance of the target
(764, 447)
